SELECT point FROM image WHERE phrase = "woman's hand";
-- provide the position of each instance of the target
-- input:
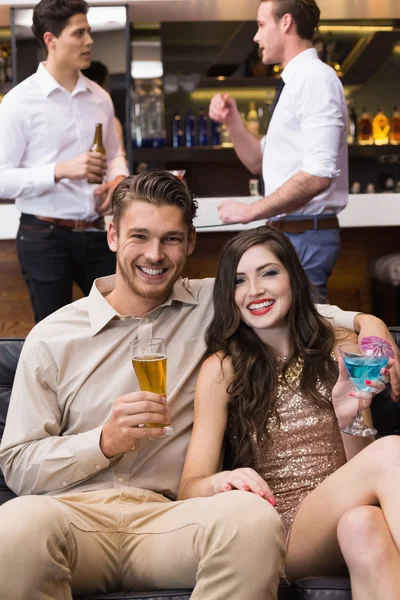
(244, 479)
(346, 399)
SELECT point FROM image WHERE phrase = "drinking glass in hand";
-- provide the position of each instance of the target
(361, 366)
(149, 359)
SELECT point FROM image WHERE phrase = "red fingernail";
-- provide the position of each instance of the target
(352, 394)
(245, 487)
(272, 501)
(227, 488)
(262, 494)
(385, 371)
(367, 382)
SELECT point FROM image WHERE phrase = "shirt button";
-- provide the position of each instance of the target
(97, 467)
(121, 479)
(147, 319)
(64, 483)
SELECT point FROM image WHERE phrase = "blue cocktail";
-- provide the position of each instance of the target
(364, 367)
(361, 366)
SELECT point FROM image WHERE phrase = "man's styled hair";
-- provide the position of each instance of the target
(156, 187)
(53, 16)
(305, 14)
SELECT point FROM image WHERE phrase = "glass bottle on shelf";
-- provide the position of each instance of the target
(177, 130)
(137, 122)
(365, 129)
(202, 128)
(215, 133)
(190, 129)
(380, 128)
(156, 116)
(352, 125)
(253, 124)
(395, 127)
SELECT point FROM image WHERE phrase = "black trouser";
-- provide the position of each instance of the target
(53, 257)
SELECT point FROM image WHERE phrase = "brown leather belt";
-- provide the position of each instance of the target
(302, 225)
(76, 225)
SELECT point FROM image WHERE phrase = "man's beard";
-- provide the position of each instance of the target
(161, 292)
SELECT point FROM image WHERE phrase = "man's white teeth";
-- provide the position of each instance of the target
(261, 305)
(152, 271)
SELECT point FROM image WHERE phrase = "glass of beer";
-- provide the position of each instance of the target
(149, 359)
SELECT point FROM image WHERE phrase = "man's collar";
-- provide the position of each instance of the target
(49, 84)
(101, 312)
(296, 63)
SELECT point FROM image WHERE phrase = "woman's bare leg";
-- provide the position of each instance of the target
(370, 479)
(375, 573)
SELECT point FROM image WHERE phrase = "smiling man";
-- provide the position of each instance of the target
(96, 512)
(49, 122)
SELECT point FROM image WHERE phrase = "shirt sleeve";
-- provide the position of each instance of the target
(116, 160)
(35, 456)
(320, 109)
(15, 180)
(336, 316)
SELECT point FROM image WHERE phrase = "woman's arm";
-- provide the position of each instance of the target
(200, 475)
(210, 420)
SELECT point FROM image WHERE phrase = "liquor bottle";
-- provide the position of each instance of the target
(98, 146)
(380, 128)
(190, 129)
(137, 114)
(215, 133)
(156, 136)
(177, 130)
(395, 127)
(202, 128)
(253, 124)
(365, 129)
(352, 125)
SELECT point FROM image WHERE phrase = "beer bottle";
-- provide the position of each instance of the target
(97, 146)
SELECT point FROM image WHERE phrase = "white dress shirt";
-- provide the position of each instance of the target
(307, 133)
(41, 124)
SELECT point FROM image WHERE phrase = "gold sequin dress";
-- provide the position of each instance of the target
(301, 453)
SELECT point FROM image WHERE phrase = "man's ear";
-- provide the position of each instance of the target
(191, 240)
(112, 237)
(49, 40)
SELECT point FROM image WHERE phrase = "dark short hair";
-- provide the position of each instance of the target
(53, 16)
(305, 13)
(96, 72)
(156, 187)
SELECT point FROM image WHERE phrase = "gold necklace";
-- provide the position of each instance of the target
(293, 374)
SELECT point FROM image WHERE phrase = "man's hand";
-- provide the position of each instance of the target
(231, 211)
(223, 109)
(130, 411)
(104, 193)
(90, 165)
(367, 325)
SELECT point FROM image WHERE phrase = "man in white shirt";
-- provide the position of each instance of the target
(47, 125)
(303, 157)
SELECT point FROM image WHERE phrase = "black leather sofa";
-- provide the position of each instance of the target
(386, 415)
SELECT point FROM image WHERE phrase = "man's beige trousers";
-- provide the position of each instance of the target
(228, 547)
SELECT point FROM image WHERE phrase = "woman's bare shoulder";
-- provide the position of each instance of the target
(218, 366)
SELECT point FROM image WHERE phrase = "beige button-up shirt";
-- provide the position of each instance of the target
(73, 366)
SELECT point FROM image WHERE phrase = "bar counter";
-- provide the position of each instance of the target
(370, 229)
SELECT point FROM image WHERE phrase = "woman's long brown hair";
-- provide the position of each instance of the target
(254, 381)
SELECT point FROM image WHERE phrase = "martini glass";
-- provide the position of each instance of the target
(361, 366)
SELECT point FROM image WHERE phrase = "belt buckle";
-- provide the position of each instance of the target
(78, 226)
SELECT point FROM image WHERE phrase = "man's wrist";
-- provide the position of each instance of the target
(58, 172)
